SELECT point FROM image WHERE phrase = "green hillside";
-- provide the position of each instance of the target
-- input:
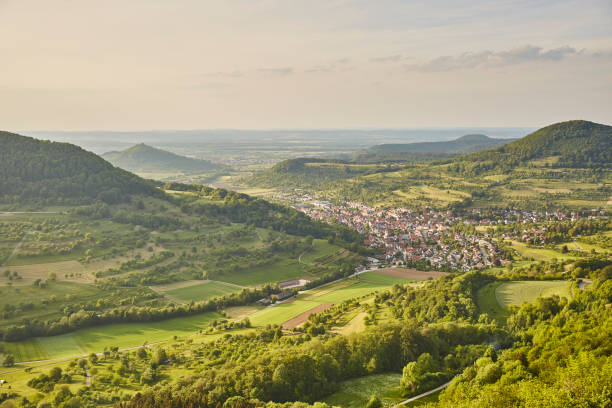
(142, 158)
(572, 144)
(464, 144)
(37, 171)
(564, 165)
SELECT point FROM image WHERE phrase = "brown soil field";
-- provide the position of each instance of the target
(410, 273)
(301, 318)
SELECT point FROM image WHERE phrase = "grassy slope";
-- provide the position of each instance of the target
(95, 339)
(356, 393)
(515, 293)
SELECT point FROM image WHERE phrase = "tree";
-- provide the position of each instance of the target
(9, 360)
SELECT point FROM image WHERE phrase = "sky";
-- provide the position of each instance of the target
(262, 64)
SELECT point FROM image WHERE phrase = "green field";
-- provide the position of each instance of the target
(357, 392)
(363, 285)
(281, 313)
(538, 254)
(95, 339)
(515, 293)
(487, 302)
(203, 291)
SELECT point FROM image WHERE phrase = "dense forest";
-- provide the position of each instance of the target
(575, 144)
(45, 173)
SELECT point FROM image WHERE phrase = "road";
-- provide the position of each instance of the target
(416, 397)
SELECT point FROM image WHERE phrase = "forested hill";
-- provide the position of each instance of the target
(464, 144)
(44, 172)
(144, 158)
(573, 144)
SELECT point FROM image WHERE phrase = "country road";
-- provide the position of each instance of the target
(416, 397)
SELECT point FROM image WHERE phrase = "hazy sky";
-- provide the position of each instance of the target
(187, 64)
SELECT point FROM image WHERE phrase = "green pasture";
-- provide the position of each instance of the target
(203, 291)
(487, 302)
(357, 392)
(280, 313)
(95, 339)
(515, 293)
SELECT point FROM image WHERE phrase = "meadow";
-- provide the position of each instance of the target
(357, 392)
(202, 291)
(96, 339)
(515, 293)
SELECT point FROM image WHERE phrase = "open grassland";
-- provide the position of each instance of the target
(515, 293)
(278, 314)
(357, 392)
(285, 269)
(487, 302)
(203, 291)
(95, 339)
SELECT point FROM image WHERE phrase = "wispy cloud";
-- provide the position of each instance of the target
(276, 72)
(341, 64)
(528, 53)
(390, 58)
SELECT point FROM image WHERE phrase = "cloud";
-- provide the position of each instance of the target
(229, 74)
(513, 56)
(390, 58)
(276, 72)
(341, 64)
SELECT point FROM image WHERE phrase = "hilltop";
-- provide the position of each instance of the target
(574, 144)
(143, 158)
(38, 171)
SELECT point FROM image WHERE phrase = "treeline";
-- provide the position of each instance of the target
(242, 208)
(561, 357)
(82, 318)
(43, 172)
(310, 372)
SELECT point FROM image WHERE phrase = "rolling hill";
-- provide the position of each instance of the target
(564, 165)
(464, 144)
(142, 158)
(44, 172)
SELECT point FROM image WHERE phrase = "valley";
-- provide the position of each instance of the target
(340, 282)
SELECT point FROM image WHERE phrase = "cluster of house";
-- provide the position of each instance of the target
(411, 237)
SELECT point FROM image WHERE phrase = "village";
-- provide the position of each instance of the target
(427, 239)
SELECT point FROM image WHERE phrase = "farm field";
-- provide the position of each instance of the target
(363, 285)
(95, 339)
(202, 291)
(357, 392)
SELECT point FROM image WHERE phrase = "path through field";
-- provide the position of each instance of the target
(15, 249)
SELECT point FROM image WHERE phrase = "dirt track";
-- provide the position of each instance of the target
(301, 318)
